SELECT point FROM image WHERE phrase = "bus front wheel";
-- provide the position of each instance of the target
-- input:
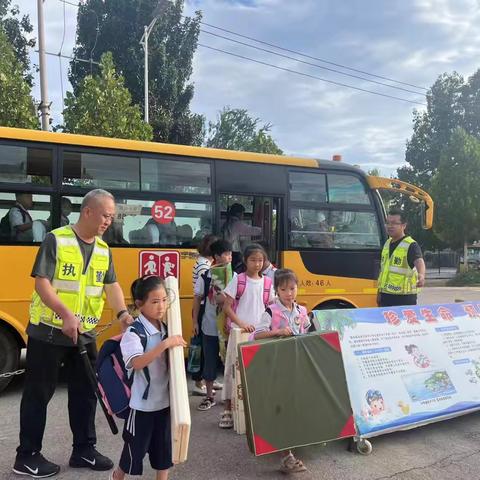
(333, 305)
(9, 356)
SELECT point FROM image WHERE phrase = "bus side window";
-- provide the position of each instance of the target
(25, 217)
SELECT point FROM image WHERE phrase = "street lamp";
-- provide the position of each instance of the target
(159, 10)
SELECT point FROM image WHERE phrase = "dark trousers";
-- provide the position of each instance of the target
(389, 300)
(43, 363)
(198, 376)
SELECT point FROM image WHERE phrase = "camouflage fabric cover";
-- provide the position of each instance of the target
(295, 392)
(221, 276)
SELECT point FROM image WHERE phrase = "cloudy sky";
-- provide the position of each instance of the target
(410, 41)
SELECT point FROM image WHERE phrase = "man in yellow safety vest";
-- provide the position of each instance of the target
(73, 272)
(402, 270)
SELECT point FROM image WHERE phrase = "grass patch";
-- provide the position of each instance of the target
(470, 278)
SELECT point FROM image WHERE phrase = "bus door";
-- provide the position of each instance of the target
(259, 217)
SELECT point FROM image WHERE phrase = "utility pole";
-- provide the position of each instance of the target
(44, 103)
(145, 47)
(159, 10)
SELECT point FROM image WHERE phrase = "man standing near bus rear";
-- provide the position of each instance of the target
(402, 270)
(72, 271)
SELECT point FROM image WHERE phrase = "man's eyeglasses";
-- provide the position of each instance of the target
(388, 224)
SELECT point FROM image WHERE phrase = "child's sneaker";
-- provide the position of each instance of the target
(290, 464)
(199, 390)
(206, 404)
(226, 420)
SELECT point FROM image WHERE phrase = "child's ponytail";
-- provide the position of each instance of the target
(141, 287)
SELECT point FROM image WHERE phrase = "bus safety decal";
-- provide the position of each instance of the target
(163, 211)
(159, 262)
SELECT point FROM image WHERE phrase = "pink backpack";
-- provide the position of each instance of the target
(242, 285)
(279, 321)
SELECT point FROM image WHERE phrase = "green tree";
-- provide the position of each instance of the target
(235, 129)
(17, 30)
(117, 26)
(374, 172)
(456, 191)
(17, 108)
(447, 102)
(102, 105)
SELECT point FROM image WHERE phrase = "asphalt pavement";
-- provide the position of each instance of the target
(443, 451)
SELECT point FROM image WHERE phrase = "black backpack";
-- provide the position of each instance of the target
(5, 227)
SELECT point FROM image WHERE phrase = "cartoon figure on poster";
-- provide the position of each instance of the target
(376, 410)
(375, 404)
(151, 266)
(473, 374)
(419, 359)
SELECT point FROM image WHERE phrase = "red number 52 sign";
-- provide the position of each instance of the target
(163, 211)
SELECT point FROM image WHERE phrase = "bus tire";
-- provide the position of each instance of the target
(9, 356)
(333, 305)
(328, 305)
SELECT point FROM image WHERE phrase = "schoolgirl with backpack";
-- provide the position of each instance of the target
(143, 347)
(247, 296)
(284, 318)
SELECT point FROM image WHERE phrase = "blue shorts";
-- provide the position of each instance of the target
(146, 432)
(210, 357)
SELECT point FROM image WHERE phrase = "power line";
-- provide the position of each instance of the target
(363, 72)
(69, 3)
(311, 76)
(296, 59)
(71, 58)
(312, 57)
(310, 64)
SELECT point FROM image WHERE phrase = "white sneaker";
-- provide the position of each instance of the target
(217, 385)
(200, 391)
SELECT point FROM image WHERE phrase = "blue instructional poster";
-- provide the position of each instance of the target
(408, 365)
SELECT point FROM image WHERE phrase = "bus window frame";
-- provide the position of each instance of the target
(32, 187)
(372, 207)
(133, 154)
(281, 218)
(144, 195)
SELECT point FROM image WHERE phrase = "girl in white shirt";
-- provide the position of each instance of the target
(244, 309)
(147, 428)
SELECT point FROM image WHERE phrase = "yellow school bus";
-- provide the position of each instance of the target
(323, 219)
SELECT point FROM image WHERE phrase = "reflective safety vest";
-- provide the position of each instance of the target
(82, 293)
(396, 276)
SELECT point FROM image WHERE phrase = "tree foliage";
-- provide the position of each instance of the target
(235, 129)
(17, 108)
(17, 30)
(102, 105)
(455, 187)
(117, 26)
(452, 102)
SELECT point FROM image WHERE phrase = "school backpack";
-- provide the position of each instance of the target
(5, 227)
(242, 285)
(278, 320)
(113, 380)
